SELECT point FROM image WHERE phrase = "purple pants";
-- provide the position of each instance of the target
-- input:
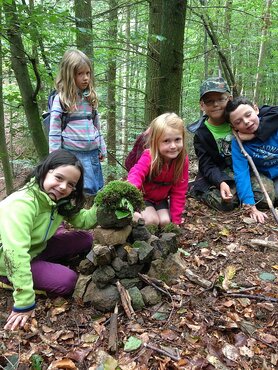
(52, 277)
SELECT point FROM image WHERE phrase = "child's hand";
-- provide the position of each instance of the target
(17, 319)
(225, 192)
(101, 157)
(245, 137)
(257, 215)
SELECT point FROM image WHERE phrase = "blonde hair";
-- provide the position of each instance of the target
(157, 129)
(71, 62)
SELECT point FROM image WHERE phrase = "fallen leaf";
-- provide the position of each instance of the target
(63, 364)
(132, 344)
(224, 232)
(268, 338)
(230, 351)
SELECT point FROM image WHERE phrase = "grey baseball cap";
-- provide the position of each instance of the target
(214, 84)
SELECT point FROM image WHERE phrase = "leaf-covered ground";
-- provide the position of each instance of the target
(230, 325)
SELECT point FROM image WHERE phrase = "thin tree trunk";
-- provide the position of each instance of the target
(19, 66)
(266, 24)
(126, 85)
(3, 146)
(111, 90)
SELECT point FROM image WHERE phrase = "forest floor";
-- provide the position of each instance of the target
(230, 325)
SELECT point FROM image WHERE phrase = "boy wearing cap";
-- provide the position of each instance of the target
(214, 183)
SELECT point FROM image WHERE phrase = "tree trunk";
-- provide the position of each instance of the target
(266, 24)
(84, 27)
(152, 69)
(171, 55)
(3, 146)
(126, 85)
(19, 66)
(111, 90)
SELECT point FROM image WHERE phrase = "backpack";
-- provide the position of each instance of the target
(65, 119)
(136, 151)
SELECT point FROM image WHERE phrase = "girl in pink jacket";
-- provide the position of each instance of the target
(161, 173)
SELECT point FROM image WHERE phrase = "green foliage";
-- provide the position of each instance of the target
(116, 192)
(171, 228)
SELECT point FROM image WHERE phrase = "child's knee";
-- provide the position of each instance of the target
(151, 220)
(66, 284)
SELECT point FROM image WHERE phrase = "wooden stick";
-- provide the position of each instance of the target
(163, 351)
(264, 243)
(155, 284)
(197, 279)
(258, 297)
(252, 164)
(113, 332)
(126, 300)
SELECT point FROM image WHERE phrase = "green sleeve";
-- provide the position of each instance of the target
(17, 220)
(85, 219)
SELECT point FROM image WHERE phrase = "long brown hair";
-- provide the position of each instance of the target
(71, 62)
(157, 129)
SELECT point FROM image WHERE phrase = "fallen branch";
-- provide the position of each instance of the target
(113, 332)
(126, 300)
(252, 164)
(258, 297)
(155, 284)
(164, 352)
(197, 279)
(264, 243)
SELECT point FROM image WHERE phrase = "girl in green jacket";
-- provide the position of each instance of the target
(31, 238)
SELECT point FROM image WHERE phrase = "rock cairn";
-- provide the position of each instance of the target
(118, 255)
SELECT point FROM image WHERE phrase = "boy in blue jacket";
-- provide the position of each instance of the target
(244, 117)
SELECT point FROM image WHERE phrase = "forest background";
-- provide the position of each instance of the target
(148, 57)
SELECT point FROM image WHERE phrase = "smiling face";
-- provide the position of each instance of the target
(214, 103)
(170, 144)
(245, 118)
(60, 182)
(83, 77)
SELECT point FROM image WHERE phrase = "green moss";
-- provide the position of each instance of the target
(171, 228)
(153, 229)
(112, 194)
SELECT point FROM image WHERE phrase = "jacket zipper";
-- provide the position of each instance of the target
(51, 219)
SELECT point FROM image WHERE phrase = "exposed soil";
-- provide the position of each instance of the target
(196, 328)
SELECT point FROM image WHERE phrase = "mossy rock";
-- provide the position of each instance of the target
(115, 200)
(112, 194)
(107, 218)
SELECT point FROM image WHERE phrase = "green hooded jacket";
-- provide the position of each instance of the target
(28, 218)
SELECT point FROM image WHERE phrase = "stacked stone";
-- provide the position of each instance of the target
(119, 255)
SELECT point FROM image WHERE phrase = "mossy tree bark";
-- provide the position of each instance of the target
(19, 61)
(4, 156)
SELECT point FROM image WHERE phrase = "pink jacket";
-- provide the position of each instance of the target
(162, 186)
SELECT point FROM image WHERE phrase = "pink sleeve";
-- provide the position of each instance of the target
(178, 194)
(140, 170)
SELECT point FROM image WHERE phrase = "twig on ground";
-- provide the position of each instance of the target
(113, 332)
(264, 243)
(163, 352)
(258, 297)
(197, 279)
(154, 283)
(126, 300)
